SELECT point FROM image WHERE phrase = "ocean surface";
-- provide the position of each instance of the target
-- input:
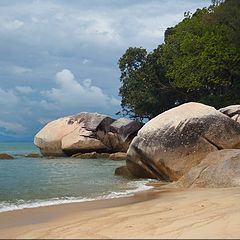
(34, 182)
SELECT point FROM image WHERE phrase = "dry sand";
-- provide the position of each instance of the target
(159, 213)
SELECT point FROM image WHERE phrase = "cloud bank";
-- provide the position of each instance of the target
(60, 57)
(71, 94)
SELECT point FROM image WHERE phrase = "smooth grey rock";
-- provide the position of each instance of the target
(169, 145)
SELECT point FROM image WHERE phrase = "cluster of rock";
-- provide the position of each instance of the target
(86, 133)
(193, 144)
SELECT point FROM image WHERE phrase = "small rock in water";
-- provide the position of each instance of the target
(118, 156)
(123, 171)
(5, 156)
(91, 155)
(33, 155)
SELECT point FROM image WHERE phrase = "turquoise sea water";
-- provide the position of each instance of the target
(32, 182)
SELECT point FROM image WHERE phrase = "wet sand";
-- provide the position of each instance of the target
(159, 213)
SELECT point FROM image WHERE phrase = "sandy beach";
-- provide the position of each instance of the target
(158, 213)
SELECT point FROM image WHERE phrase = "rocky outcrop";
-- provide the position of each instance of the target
(218, 169)
(172, 143)
(86, 132)
(49, 139)
(123, 171)
(5, 156)
(232, 111)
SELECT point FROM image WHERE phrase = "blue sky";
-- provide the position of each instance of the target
(59, 57)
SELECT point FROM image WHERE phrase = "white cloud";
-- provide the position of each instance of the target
(11, 25)
(85, 61)
(12, 126)
(24, 89)
(64, 77)
(20, 70)
(71, 93)
(39, 20)
(87, 83)
(48, 105)
(96, 27)
(8, 99)
(114, 101)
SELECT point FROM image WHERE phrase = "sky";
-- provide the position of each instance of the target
(59, 57)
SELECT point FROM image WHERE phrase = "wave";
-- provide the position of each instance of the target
(6, 206)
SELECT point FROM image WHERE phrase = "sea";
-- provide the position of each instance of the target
(36, 182)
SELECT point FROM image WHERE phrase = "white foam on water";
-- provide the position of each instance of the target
(138, 186)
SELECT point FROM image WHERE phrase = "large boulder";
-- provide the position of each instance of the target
(85, 132)
(49, 138)
(218, 169)
(172, 143)
(232, 111)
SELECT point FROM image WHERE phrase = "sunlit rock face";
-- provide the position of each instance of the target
(218, 169)
(86, 132)
(172, 143)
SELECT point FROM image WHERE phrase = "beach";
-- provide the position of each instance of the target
(162, 212)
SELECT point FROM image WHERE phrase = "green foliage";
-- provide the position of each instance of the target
(129, 65)
(199, 61)
(145, 90)
(199, 57)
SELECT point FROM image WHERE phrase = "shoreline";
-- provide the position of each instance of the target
(140, 186)
(27, 217)
(161, 212)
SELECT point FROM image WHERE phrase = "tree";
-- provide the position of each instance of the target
(198, 61)
(131, 79)
(145, 90)
(200, 55)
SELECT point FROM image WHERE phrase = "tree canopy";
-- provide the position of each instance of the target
(198, 61)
